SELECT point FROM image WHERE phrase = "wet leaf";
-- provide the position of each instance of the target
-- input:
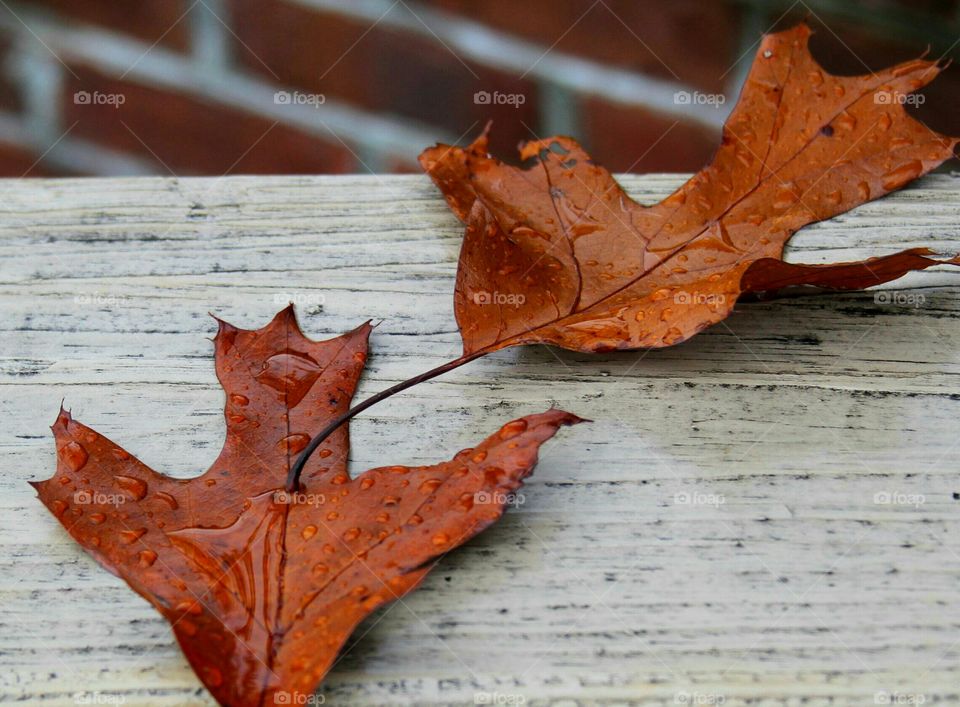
(558, 253)
(262, 586)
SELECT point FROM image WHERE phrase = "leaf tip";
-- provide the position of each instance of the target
(63, 418)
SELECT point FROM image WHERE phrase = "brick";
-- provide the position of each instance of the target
(384, 71)
(11, 99)
(692, 41)
(18, 161)
(150, 20)
(630, 139)
(192, 136)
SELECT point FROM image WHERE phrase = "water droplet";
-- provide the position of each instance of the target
(240, 400)
(308, 532)
(672, 336)
(396, 469)
(324, 453)
(441, 539)
(97, 518)
(512, 429)
(466, 501)
(128, 537)
(212, 676)
(846, 121)
(340, 480)
(660, 294)
(479, 456)
(190, 607)
(429, 486)
(902, 174)
(121, 455)
(135, 487)
(291, 374)
(292, 444)
(147, 557)
(332, 515)
(785, 197)
(187, 627)
(168, 499)
(320, 568)
(415, 519)
(351, 534)
(835, 197)
(863, 191)
(493, 474)
(74, 455)
(885, 122)
(366, 483)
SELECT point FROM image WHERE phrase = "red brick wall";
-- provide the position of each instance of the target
(197, 80)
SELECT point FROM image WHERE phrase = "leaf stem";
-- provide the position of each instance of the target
(293, 477)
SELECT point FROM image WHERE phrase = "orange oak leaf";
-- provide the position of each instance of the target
(558, 253)
(262, 585)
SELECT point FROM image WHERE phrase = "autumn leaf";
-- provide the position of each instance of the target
(558, 253)
(263, 584)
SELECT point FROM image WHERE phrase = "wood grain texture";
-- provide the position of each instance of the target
(604, 587)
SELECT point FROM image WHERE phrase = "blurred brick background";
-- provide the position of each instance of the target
(190, 87)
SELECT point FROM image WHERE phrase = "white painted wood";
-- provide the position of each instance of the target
(601, 589)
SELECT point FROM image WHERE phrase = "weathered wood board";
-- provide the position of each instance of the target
(785, 580)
